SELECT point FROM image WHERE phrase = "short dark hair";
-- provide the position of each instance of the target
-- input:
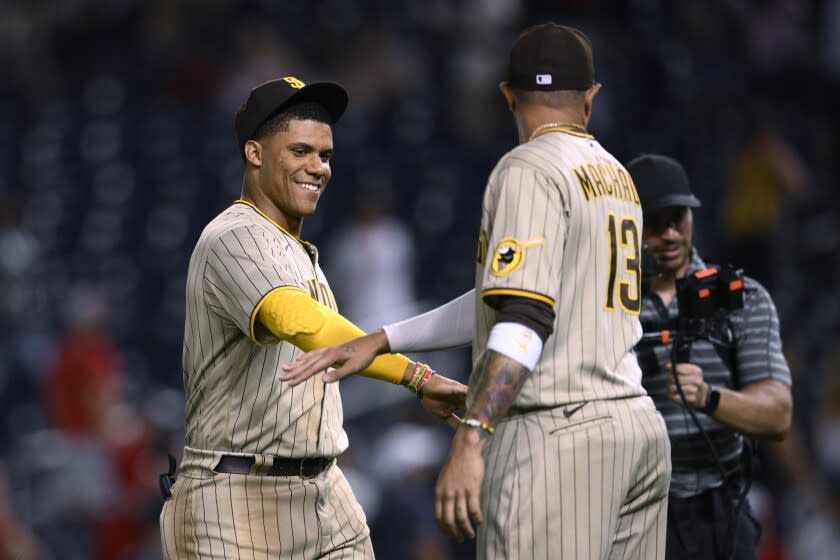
(279, 122)
(555, 99)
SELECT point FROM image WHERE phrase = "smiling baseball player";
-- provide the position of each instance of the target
(259, 477)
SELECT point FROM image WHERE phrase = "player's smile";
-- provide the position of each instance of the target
(309, 186)
(308, 191)
(303, 194)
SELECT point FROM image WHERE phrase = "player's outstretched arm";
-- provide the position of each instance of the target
(290, 314)
(447, 326)
(347, 358)
(440, 396)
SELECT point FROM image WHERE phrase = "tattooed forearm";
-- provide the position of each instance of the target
(501, 382)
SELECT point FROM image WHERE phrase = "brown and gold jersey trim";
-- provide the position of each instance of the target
(518, 293)
(573, 129)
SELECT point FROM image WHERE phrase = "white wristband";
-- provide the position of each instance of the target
(517, 342)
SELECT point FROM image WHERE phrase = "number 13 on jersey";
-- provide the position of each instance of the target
(625, 249)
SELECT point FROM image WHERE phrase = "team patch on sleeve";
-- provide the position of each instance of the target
(510, 254)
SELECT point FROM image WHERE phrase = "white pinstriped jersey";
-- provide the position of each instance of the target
(234, 401)
(561, 223)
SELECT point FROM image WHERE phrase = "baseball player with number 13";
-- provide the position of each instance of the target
(561, 454)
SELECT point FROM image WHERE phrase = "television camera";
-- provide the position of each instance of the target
(705, 300)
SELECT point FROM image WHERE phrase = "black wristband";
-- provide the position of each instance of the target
(712, 400)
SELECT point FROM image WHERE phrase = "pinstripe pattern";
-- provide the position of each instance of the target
(534, 193)
(554, 486)
(233, 516)
(758, 357)
(234, 400)
(235, 404)
(592, 485)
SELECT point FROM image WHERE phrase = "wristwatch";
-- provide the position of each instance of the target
(712, 400)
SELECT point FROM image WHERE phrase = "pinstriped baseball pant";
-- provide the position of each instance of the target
(220, 515)
(590, 486)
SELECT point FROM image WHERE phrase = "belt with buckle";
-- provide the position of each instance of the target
(280, 466)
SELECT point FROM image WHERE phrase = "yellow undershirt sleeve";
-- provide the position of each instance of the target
(291, 314)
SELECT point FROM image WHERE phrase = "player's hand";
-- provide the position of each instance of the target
(350, 357)
(442, 396)
(458, 490)
(692, 383)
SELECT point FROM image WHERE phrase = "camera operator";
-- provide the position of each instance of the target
(735, 390)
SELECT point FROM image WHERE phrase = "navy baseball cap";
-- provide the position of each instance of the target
(551, 57)
(273, 96)
(661, 182)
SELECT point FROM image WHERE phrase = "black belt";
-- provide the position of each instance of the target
(280, 466)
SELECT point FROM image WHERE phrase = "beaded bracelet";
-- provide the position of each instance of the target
(422, 374)
(425, 379)
(473, 423)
